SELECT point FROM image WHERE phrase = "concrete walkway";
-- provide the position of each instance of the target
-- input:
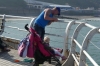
(8, 59)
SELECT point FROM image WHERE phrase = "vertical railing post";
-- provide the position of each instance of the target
(66, 38)
(73, 45)
(75, 35)
(66, 42)
(2, 24)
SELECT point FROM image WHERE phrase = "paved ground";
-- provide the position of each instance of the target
(8, 59)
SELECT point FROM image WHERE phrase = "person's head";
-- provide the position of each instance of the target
(46, 39)
(56, 10)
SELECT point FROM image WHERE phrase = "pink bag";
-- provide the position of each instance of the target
(22, 47)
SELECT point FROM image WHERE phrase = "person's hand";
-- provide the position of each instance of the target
(55, 19)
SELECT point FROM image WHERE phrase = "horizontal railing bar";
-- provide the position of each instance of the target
(17, 16)
(89, 57)
(15, 28)
(78, 44)
(78, 22)
(62, 21)
(91, 26)
(26, 30)
(75, 59)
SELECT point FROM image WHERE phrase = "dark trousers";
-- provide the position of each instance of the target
(1, 46)
(39, 30)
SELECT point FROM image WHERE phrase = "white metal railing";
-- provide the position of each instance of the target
(83, 49)
(12, 16)
(2, 23)
(81, 61)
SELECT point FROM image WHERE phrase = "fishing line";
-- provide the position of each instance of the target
(94, 45)
(56, 41)
(16, 28)
(55, 28)
(91, 42)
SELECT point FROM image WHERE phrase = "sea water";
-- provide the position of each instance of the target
(57, 34)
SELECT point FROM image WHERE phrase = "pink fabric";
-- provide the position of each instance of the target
(31, 47)
(21, 50)
(23, 47)
(35, 41)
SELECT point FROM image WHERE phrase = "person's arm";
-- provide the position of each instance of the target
(50, 22)
(46, 16)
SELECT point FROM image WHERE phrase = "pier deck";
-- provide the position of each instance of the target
(8, 59)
